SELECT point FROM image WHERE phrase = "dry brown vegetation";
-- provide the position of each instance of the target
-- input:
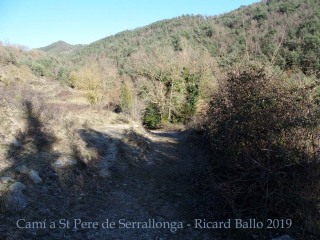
(263, 128)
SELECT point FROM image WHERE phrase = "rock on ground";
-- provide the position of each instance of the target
(63, 162)
(34, 176)
(22, 169)
(284, 237)
(17, 187)
(6, 179)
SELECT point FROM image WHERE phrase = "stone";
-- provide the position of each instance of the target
(17, 187)
(15, 201)
(22, 169)
(284, 237)
(34, 176)
(105, 173)
(63, 162)
(17, 143)
(6, 179)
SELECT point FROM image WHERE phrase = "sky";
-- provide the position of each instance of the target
(38, 23)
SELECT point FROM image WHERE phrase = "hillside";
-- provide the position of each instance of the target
(60, 47)
(284, 33)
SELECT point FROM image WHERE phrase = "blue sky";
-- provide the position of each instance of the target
(37, 23)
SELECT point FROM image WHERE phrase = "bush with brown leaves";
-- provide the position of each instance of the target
(264, 135)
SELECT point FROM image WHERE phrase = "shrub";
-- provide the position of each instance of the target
(126, 98)
(193, 92)
(263, 135)
(38, 69)
(152, 117)
(88, 79)
(63, 74)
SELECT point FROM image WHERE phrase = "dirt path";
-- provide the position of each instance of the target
(140, 177)
(158, 187)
